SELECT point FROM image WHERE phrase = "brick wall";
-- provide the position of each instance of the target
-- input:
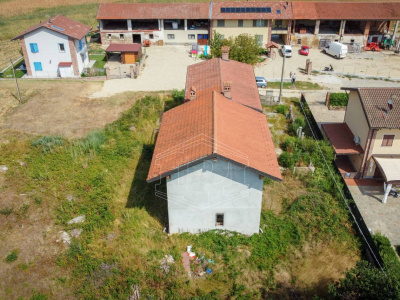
(74, 57)
(26, 57)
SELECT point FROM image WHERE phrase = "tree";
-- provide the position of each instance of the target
(243, 48)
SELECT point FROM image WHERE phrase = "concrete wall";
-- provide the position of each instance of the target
(355, 118)
(231, 29)
(115, 36)
(197, 194)
(49, 54)
(356, 159)
(182, 36)
(394, 149)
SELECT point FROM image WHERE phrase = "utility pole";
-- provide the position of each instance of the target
(16, 82)
(283, 70)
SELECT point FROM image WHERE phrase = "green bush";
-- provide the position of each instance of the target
(286, 160)
(338, 99)
(48, 142)
(12, 256)
(299, 122)
(282, 109)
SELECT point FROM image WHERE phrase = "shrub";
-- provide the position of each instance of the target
(286, 160)
(282, 109)
(338, 99)
(12, 256)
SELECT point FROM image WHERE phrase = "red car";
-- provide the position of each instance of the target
(304, 50)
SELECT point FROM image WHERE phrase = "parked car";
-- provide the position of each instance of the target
(372, 47)
(286, 50)
(336, 49)
(261, 82)
(304, 50)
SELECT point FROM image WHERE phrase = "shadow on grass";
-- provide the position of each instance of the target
(143, 194)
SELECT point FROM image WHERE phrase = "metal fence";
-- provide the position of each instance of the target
(353, 47)
(93, 72)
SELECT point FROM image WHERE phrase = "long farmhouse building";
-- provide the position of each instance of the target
(283, 22)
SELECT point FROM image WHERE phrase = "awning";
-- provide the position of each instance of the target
(271, 45)
(341, 138)
(390, 168)
(124, 48)
(65, 64)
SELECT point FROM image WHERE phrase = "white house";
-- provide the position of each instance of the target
(214, 151)
(55, 48)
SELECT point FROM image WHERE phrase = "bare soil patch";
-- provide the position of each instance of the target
(60, 107)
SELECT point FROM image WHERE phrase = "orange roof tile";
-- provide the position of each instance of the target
(210, 75)
(153, 11)
(279, 10)
(346, 10)
(213, 126)
(341, 138)
(61, 25)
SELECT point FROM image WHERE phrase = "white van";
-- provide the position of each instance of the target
(286, 50)
(336, 49)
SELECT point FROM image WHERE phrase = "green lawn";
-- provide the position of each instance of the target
(300, 85)
(18, 73)
(100, 60)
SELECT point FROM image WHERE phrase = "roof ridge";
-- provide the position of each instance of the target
(213, 124)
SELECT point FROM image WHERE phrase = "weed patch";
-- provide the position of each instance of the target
(13, 256)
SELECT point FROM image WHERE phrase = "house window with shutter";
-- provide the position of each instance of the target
(240, 23)
(387, 140)
(34, 47)
(260, 23)
(220, 23)
(219, 220)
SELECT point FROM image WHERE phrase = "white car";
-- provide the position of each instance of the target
(286, 50)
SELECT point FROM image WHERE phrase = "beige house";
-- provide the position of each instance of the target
(367, 144)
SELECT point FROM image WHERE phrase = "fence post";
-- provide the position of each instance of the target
(107, 73)
(137, 68)
(132, 73)
(328, 96)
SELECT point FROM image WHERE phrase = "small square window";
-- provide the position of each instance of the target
(219, 220)
(121, 36)
(171, 36)
(240, 23)
(191, 36)
(387, 140)
(61, 48)
(108, 36)
(278, 11)
(220, 23)
(151, 36)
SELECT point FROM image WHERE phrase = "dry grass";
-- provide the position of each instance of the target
(8, 50)
(59, 107)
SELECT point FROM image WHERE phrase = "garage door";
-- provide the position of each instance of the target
(129, 58)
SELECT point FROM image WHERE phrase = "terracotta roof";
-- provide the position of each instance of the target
(375, 104)
(210, 75)
(124, 48)
(213, 127)
(341, 138)
(153, 11)
(276, 7)
(65, 64)
(346, 10)
(271, 44)
(61, 25)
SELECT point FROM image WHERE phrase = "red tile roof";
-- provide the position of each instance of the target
(375, 104)
(210, 75)
(124, 48)
(285, 13)
(341, 138)
(213, 126)
(346, 10)
(153, 11)
(65, 64)
(61, 25)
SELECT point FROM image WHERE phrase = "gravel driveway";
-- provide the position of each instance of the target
(164, 69)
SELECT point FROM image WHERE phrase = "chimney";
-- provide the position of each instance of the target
(225, 52)
(192, 93)
(227, 89)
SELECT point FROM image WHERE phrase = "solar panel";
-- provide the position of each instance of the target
(247, 10)
(278, 11)
(57, 28)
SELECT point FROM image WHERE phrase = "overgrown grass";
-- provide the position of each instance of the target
(100, 60)
(13, 256)
(122, 240)
(9, 72)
